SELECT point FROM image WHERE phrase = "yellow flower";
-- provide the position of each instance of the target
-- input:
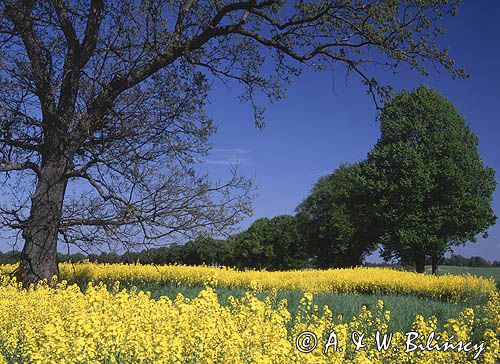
(65, 325)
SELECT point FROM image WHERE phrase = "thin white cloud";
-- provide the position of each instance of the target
(231, 150)
(228, 156)
(226, 162)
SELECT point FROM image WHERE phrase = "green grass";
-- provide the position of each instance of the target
(403, 308)
(482, 272)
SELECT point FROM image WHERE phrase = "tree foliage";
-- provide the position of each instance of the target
(336, 218)
(274, 244)
(434, 189)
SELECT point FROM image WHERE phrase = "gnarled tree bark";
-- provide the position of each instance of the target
(39, 255)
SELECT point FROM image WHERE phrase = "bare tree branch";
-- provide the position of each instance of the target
(20, 16)
(6, 166)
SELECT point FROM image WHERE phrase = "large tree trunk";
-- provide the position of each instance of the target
(435, 263)
(420, 263)
(39, 255)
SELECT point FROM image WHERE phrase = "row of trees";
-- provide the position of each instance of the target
(250, 249)
(475, 261)
(210, 252)
(215, 252)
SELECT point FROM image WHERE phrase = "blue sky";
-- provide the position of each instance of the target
(328, 120)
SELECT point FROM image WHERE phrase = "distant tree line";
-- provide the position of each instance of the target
(228, 252)
(458, 260)
(272, 244)
(453, 260)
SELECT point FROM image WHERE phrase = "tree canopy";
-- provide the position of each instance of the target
(336, 219)
(274, 244)
(434, 189)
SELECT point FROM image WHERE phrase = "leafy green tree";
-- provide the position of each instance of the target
(478, 262)
(289, 246)
(270, 243)
(336, 218)
(456, 260)
(173, 253)
(203, 250)
(109, 257)
(129, 257)
(107, 99)
(434, 189)
(249, 248)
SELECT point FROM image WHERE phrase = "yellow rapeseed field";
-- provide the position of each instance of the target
(60, 324)
(452, 288)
